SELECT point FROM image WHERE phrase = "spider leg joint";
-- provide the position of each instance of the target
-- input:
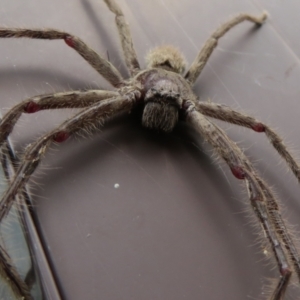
(238, 172)
(258, 127)
(31, 107)
(61, 136)
(69, 41)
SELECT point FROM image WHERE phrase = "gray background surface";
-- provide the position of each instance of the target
(179, 225)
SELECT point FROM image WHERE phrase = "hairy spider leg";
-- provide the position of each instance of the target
(89, 118)
(125, 38)
(226, 114)
(229, 115)
(263, 202)
(11, 274)
(101, 65)
(72, 99)
(209, 46)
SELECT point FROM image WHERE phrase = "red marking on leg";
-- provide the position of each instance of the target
(69, 41)
(31, 107)
(61, 136)
(238, 172)
(258, 127)
(285, 271)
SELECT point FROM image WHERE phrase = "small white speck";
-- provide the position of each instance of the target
(116, 186)
(257, 82)
(88, 235)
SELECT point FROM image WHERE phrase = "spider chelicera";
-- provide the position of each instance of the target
(164, 91)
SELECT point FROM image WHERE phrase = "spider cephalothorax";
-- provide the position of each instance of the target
(165, 92)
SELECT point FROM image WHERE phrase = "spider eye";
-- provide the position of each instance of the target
(166, 57)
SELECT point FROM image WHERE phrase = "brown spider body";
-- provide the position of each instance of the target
(162, 94)
(165, 92)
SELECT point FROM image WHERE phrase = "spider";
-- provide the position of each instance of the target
(164, 92)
